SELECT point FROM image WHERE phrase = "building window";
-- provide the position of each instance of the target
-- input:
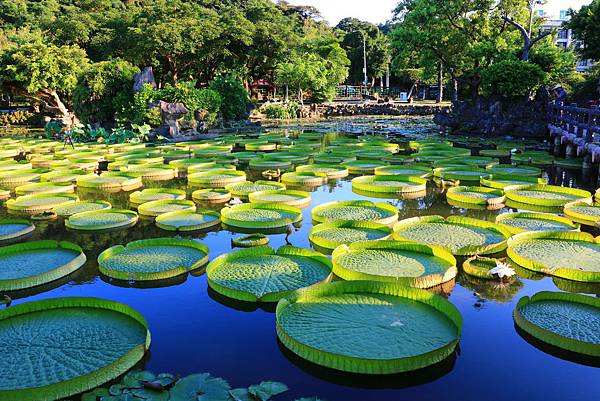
(563, 34)
(582, 63)
(563, 14)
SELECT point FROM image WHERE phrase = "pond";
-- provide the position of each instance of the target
(195, 329)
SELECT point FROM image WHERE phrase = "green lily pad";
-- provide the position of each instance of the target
(101, 220)
(185, 220)
(328, 236)
(72, 208)
(200, 387)
(61, 347)
(383, 213)
(15, 230)
(261, 274)
(153, 259)
(567, 321)
(260, 216)
(415, 265)
(35, 263)
(343, 325)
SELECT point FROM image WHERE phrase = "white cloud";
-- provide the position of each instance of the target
(375, 11)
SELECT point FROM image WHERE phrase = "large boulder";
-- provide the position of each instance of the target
(171, 113)
(146, 77)
(524, 118)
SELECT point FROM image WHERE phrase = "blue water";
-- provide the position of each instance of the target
(194, 330)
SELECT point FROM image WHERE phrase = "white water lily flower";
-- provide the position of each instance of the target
(235, 201)
(503, 270)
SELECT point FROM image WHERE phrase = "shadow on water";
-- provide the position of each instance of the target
(372, 382)
(241, 306)
(556, 352)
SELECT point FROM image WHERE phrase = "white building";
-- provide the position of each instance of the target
(555, 13)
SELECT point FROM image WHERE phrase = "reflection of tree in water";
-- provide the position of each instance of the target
(494, 290)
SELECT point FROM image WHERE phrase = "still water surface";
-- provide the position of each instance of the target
(195, 330)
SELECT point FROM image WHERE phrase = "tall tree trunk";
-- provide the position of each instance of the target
(454, 89)
(287, 93)
(440, 96)
(53, 104)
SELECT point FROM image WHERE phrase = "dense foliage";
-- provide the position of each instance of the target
(512, 78)
(585, 24)
(467, 39)
(81, 55)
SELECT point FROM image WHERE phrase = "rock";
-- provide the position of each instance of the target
(171, 113)
(499, 117)
(143, 78)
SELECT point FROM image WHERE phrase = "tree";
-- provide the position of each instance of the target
(103, 90)
(234, 97)
(44, 73)
(378, 57)
(585, 24)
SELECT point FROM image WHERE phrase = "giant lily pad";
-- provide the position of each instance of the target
(211, 195)
(570, 255)
(153, 259)
(33, 204)
(360, 167)
(330, 170)
(243, 190)
(546, 195)
(389, 184)
(72, 208)
(383, 213)
(304, 178)
(34, 263)
(583, 213)
(462, 235)
(521, 222)
(154, 194)
(328, 236)
(287, 197)
(261, 274)
(15, 230)
(216, 179)
(566, 321)
(158, 207)
(415, 265)
(476, 195)
(498, 181)
(109, 182)
(187, 220)
(57, 348)
(343, 325)
(102, 220)
(260, 216)
(508, 169)
(45, 188)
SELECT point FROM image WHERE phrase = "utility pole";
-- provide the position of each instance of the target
(366, 82)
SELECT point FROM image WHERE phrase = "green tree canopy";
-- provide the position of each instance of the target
(377, 45)
(44, 73)
(585, 24)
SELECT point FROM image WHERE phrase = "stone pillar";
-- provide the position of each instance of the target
(557, 145)
(571, 151)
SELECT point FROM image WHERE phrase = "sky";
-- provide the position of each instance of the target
(375, 11)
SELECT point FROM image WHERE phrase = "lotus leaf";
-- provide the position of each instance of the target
(76, 207)
(328, 236)
(185, 220)
(521, 222)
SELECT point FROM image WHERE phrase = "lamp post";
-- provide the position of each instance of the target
(364, 59)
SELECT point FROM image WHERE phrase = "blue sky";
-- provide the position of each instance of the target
(375, 11)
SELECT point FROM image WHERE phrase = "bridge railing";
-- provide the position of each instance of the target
(583, 122)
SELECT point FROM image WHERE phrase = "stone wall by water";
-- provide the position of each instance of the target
(380, 109)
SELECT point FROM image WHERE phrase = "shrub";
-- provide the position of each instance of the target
(18, 117)
(512, 78)
(53, 129)
(103, 90)
(138, 111)
(281, 111)
(206, 101)
(234, 97)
